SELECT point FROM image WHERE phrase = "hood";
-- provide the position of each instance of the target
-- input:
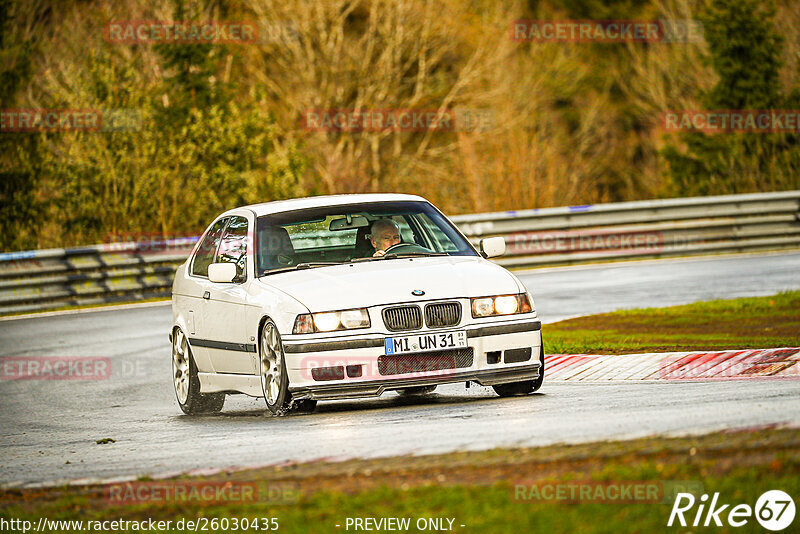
(375, 283)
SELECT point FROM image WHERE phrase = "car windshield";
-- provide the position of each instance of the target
(332, 235)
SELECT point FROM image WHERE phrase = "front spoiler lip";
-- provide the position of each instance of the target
(293, 347)
(375, 388)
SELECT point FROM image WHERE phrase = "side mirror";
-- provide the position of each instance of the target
(491, 247)
(222, 272)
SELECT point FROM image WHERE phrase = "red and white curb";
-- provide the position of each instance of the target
(729, 364)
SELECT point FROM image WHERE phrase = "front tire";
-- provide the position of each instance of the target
(186, 382)
(523, 388)
(274, 379)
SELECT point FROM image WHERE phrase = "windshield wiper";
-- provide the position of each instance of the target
(406, 254)
(394, 255)
(301, 266)
(374, 258)
(310, 264)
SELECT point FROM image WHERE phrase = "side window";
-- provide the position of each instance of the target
(233, 247)
(208, 247)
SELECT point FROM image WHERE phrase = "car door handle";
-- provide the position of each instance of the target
(206, 295)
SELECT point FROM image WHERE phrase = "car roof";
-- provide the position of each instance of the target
(278, 206)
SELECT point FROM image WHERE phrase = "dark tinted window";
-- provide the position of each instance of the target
(208, 247)
(233, 246)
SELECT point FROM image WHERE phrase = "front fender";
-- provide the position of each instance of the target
(266, 300)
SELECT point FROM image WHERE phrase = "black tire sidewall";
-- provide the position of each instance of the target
(186, 407)
(196, 402)
(523, 388)
(539, 381)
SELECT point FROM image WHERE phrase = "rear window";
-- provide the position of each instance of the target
(313, 235)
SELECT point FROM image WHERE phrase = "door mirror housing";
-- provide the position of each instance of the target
(491, 247)
(222, 272)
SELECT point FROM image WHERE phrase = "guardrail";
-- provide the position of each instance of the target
(46, 279)
(642, 229)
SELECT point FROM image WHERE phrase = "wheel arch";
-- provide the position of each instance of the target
(180, 321)
(261, 324)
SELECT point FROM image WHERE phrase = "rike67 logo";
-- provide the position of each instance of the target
(774, 510)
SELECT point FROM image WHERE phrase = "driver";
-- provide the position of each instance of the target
(385, 233)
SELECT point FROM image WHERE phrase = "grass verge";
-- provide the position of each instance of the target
(504, 490)
(744, 323)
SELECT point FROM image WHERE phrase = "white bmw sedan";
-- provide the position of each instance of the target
(346, 296)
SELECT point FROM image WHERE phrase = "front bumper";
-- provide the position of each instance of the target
(488, 343)
(377, 388)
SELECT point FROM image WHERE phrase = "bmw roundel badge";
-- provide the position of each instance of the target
(418, 292)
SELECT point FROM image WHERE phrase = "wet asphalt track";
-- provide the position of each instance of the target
(49, 428)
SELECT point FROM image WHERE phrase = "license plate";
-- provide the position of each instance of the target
(426, 342)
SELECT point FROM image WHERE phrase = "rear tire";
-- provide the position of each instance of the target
(523, 388)
(186, 382)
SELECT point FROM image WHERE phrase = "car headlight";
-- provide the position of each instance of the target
(309, 323)
(501, 305)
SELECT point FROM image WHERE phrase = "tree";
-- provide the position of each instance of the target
(745, 51)
(224, 152)
(199, 143)
(17, 150)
